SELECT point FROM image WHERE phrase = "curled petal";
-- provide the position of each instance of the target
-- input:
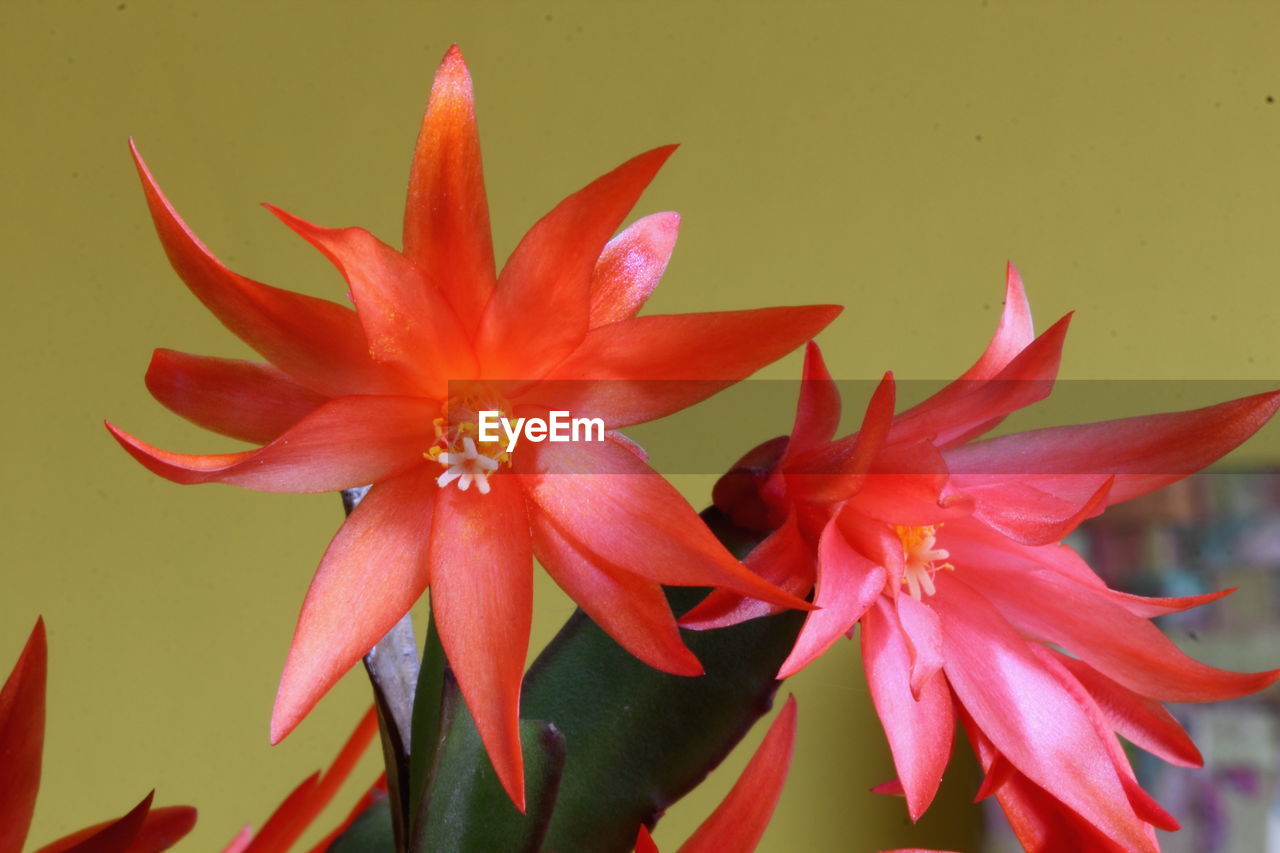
(919, 724)
(739, 822)
(630, 267)
(347, 442)
(632, 610)
(241, 399)
(372, 573)
(22, 739)
(318, 343)
(818, 410)
(1014, 333)
(482, 598)
(539, 311)
(840, 468)
(1024, 513)
(923, 637)
(446, 216)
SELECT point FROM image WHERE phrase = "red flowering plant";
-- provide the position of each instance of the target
(412, 402)
(947, 552)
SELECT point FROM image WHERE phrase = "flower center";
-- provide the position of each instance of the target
(467, 459)
(920, 559)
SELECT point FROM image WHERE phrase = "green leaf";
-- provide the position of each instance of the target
(639, 739)
(427, 702)
(369, 833)
(465, 809)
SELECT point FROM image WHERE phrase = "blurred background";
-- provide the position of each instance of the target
(890, 156)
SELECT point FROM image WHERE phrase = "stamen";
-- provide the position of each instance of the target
(467, 460)
(920, 560)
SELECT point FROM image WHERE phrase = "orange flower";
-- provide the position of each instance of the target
(141, 830)
(389, 394)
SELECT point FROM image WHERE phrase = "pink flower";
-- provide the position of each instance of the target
(947, 550)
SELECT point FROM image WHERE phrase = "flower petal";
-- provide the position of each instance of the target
(818, 409)
(372, 573)
(919, 727)
(632, 610)
(644, 841)
(539, 311)
(923, 636)
(647, 367)
(446, 217)
(1124, 647)
(110, 837)
(847, 584)
(739, 822)
(617, 507)
(835, 472)
(241, 399)
(1143, 721)
(318, 343)
(783, 559)
(630, 267)
(1028, 715)
(482, 599)
(405, 316)
(347, 442)
(22, 739)
(1144, 453)
(1018, 509)
(161, 829)
(1014, 333)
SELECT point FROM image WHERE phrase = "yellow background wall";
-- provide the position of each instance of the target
(890, 156)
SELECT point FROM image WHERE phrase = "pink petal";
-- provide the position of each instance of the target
(818, 410)
(847, 584)
(839, 469)
(906, 487)
(1144, 453)
(405, 315)
(647, 367)
(242, 399)
(540, 309)
(616, 507)
(446, 217)
(347, 442)
(1028, 715)
(22, 712)
(784, 559)
(630, 609)
(630, 267)
(739, 822)
(919, 724)
(1014, 333)
(482, 598)
(1124, 647)
(372, 573)
(1019, 510)
(318, 343)
(923, 636)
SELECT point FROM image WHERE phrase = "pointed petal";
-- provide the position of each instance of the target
(241, 841)
(1024, 513)
(818, 410)
(372, 573)
(446, 217)
(923, 637)
(632, 610)
(907, 486)
(117, 836)
(739, 822)
(630, 267)
(1028, 715)
(283, 823)
(644, 841)
(482, 598)
(1143, 721)
(1014, 333)
(318, 343)
(347, 442)
(1149, 607)
(848, 583)
(836, 471)
(617, 507)
(1124, 647)
(539, 311)
(967, 407)
(920, 729)
(647, 367)
(161, 829)
(1144, 453)
(22, 739)
(784, 559)
(376, 792)
(405, 315)
(241, 399)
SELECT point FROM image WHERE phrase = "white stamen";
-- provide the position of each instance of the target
(467, 467)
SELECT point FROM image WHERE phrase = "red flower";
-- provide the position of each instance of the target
(389, 393)
(141, 830)
(740, 820)
(948, 552)
(300, 809)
